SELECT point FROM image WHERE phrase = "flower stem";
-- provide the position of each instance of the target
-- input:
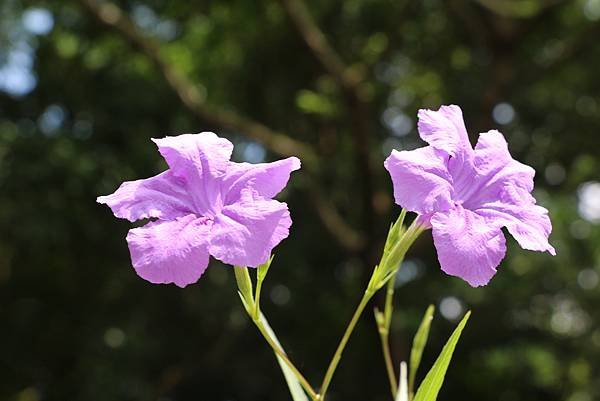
(340, 349)
(281, 353)
(382, 273)
(256, 311)
(389, 364)
(389, 306)
(252, 307)
(384, 333)
(400, 249)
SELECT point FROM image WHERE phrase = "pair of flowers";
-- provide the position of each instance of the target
(205, 204)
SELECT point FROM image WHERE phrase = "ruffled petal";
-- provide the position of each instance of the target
(467, 246)
(204, 153)
(493, 168)
(444, 129)
(162, 196)
(199, 159)
(245, 233)
(516, 210)
(500, 190)
(492, 154)
(421, 180)
(266, 179)
(175, 251)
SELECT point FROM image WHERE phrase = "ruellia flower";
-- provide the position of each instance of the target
(468, 195)
(204, 204)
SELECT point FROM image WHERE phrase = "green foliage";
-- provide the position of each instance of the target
(431, 385)
(295, 388)
(315, 103)
(416, 352)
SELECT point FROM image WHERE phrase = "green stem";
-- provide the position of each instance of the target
(342, 345)
(281, 353)
(389, 297)
(384, 332)
(252, 308)
(257, 299)
(384, 271)
(396, 255)
(389, 364)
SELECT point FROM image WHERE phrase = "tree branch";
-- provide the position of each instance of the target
(579, 42)
(355, 97)
(318, 44)
(349, 238)
(283, 145)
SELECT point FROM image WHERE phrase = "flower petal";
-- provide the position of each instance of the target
(199, 159)
(421, 180)
(500, 191)
(267, 179)
(466, 246)
(205, 153)
(492, 168)
(246, 232)
(495, 167)
(516, 210)
(162, 196)
(175, 251)
(492, 154)
(445, 130)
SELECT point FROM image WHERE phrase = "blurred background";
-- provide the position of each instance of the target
(84, 85)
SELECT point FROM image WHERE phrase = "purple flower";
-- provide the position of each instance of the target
(203, 204)
(467, 195)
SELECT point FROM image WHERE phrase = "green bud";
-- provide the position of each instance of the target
(263, 269)
(242, 277)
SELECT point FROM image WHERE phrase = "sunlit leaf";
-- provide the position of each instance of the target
(419, 343)
(431, 385)
(293, 384)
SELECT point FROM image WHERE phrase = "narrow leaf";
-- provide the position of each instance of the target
(418, 346)
(244, 283)
(400, 220)
(296, 390)
(246, 306)
(264, 268)
(431, 385)
(395, 232)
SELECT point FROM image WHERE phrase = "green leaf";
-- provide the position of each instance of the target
(395, 232)
(295, 388)
(431, 385)
(244, 283)
(246, 306)
(263, 269)
(418, 346)
(311, 102)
